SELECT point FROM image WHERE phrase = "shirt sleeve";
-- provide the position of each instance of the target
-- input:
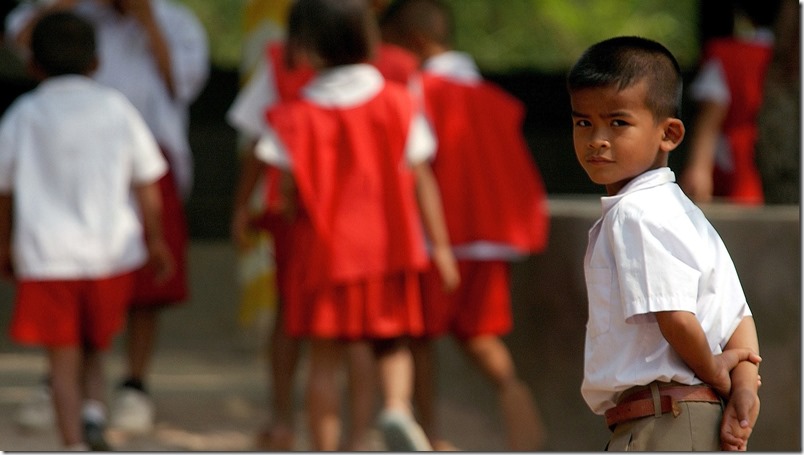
(8, 129)
(653, 268)
(421, 142)
(148, 163)
(247, 113)
(189, 50)
(271, 150)
(710, 84)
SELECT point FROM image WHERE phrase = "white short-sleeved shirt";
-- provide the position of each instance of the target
(70, 152)
(247, 113)
(652, 250)
(348, 86)
(127, 64)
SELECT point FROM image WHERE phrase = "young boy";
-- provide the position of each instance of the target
(669, 332)
(74, 156)
(495, 205)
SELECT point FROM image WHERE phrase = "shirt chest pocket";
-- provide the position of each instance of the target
(599, 290)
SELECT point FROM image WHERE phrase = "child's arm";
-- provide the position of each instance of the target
(250, 172)
(686, 336)
(742, 409)
(432, 213)
(6, 268)
(159, 257)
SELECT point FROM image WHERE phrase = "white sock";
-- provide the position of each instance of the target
(94, 411)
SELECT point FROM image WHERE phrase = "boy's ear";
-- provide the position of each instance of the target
(673, 134)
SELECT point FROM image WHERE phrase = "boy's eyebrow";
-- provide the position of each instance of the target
(620, 113)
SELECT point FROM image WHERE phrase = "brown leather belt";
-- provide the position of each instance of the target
(642, 402)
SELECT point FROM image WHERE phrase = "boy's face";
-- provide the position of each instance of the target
(616, 137)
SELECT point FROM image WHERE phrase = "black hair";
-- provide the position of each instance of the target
(430, 18)
(339, 32)
(627, 60)
(762, 14)
(63, 43)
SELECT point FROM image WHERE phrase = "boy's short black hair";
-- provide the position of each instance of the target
(63, 43)
(431, 18)
(626, 60)
(340, 32)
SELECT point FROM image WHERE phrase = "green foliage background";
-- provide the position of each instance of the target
(506, 35)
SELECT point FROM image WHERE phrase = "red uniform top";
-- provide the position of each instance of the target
(357, 193)
(395, 63)
(490, 186)
(744, 66)
(288, 84)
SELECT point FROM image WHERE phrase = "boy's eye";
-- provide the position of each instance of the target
(619, 122)
(581, 122)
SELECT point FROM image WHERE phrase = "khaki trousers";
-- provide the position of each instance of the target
(696, 428)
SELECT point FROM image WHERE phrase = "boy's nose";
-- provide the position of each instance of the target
(599, 141)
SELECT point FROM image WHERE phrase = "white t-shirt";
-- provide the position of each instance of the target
(347, 86)
(652, 250)
(127, 64)
(70, 152)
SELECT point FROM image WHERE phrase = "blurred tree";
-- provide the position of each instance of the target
(504, 35)
(549, 35)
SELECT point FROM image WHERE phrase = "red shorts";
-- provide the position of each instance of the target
(71, 312)
(174, 227)
(480, 306)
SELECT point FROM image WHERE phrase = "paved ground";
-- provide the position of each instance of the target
(209, 381)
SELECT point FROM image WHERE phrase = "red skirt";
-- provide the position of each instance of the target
(147, 291)
(480, 306)
(379, 308)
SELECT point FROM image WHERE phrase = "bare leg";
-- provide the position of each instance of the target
(141, 333)
(282, 358)
(400, 429)
(65, 383)
(424, 390)
(395, 366)
(524, 427)
(94, 376)
(362, 379)
(323, 393)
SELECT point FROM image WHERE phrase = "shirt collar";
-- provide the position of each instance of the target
(344, 86)
(64, 81)
(650, 179)
(455, 65)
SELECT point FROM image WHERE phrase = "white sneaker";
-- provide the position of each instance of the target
(402, 433)
(37, 413)
(132, 411)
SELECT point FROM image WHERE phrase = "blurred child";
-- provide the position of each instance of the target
(496, 211)
(729, 91)
(271, 83)
(669, 333)
(155, 53)
(353, 153)
(74, 154)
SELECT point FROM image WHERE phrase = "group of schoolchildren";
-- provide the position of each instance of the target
(398, 187)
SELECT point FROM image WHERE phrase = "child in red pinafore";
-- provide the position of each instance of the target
(354, 153)
(496, 210)
(729, 91)
(273, 82)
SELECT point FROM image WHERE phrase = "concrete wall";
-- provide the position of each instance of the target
(550, 315)
(549, 302)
